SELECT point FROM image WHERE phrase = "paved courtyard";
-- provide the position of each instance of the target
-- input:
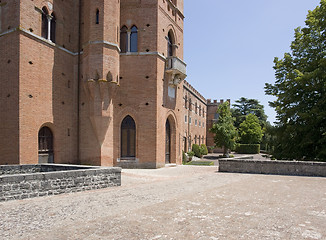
(183, 202)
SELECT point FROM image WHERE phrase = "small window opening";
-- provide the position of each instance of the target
(97, 21)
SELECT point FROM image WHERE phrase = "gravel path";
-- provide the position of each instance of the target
(184, 202)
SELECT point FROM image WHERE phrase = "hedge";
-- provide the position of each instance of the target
(248, 148)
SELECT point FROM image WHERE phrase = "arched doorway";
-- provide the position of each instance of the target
(45, 145)
(128, 138)
(167, 142)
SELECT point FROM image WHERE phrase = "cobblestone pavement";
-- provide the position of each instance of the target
(184, 202)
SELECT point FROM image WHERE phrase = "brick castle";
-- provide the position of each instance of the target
(97, 82)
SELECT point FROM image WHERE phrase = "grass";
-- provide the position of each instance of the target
(200, 163)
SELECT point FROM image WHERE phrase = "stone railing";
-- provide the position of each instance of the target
(51, 179)
(273, 167)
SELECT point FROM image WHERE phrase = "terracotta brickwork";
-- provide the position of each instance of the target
(73, 69)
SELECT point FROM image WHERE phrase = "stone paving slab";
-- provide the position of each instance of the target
(184, 202)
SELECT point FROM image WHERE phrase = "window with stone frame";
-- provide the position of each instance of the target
(48, 25)
(129, 39)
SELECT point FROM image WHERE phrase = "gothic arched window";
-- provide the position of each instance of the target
(134, 39)
(170, 40)
(124, 39)
(45, 25)
(53, 27)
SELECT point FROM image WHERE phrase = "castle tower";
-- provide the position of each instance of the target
(99, 79)
(38, 45)
(151, 71)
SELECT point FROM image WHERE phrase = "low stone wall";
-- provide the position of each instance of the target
(53, 179)
(34, 168)
(273, 167)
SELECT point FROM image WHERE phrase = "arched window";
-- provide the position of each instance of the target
(124, 39)
(128, 138)
(134, 39)
(53, 27)
(186, 102)
(45, 25)
(97, 18)
(170, 44)
(45, 145)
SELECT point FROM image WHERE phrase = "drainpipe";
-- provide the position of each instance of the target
(78, 81)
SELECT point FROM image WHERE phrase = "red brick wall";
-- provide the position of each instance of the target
(9, 95)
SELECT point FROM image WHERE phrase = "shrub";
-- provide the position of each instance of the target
(196, 149)
(184, 158)
(248, 148)
(190, 155)
(203, 149)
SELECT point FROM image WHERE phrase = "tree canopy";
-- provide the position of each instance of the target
(300, 91)
(250, 130)
(245, 106)
(225, 132)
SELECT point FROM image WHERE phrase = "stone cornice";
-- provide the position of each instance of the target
(109, 44)
(43, 40)
(144, 54)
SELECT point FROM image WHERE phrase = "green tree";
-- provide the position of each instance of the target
(250, 130)
(225, 132)
(245, 106)
(269, 138)
(300, 91)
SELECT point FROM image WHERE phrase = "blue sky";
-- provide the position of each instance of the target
(230, 45)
